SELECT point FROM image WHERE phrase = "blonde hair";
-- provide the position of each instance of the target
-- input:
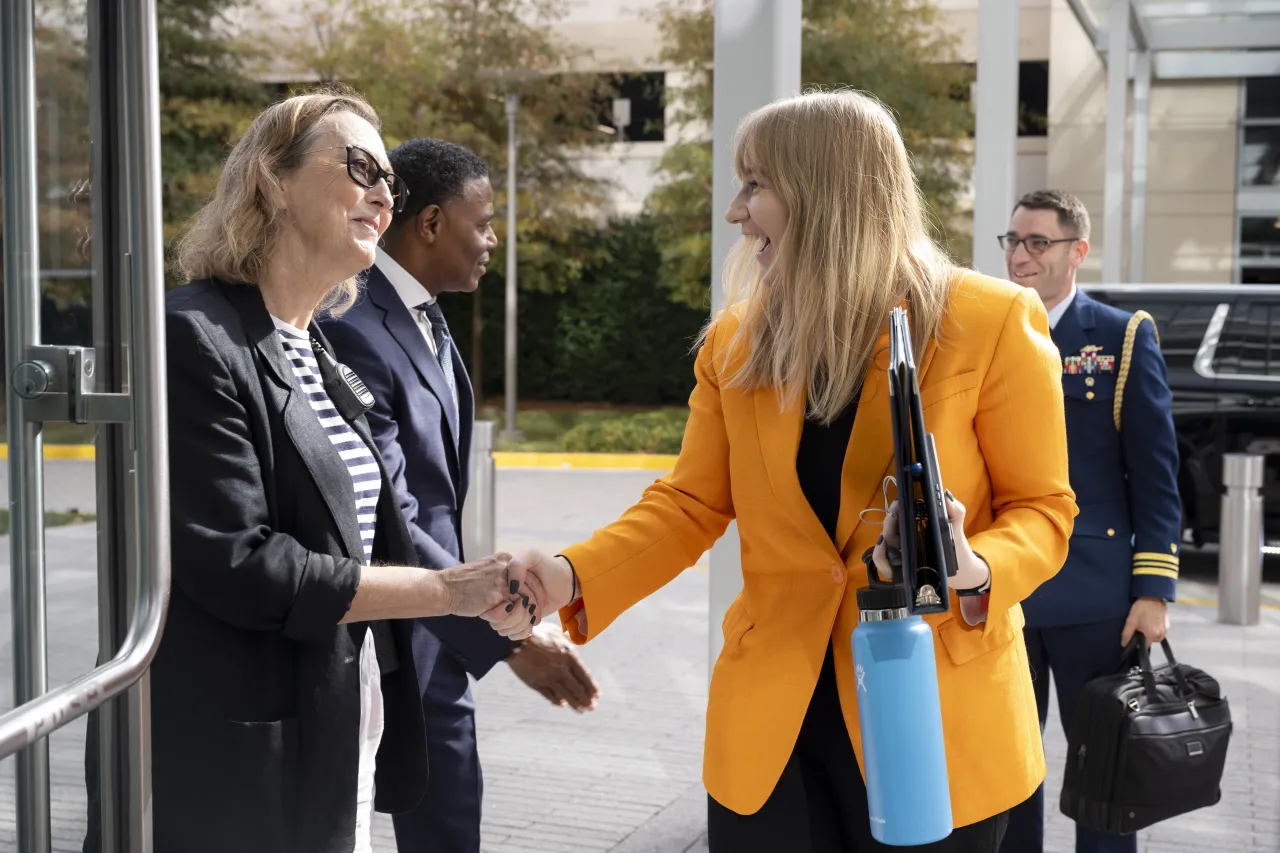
(233, 236)
(855, 246)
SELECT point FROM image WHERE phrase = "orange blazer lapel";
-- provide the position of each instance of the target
(779, 431)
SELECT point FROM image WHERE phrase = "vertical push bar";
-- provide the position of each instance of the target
(26, 446)
(1240, 540)
(478, 511)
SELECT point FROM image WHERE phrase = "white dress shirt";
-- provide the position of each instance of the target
(1057, 311)
(411, 292)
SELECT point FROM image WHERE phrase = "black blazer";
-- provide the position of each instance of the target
(255, 702)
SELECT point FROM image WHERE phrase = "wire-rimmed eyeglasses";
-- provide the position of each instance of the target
(1033, 245)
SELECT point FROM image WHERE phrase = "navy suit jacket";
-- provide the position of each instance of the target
(425, 453)
(1126, 538)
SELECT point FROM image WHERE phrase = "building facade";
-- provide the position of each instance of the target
(1213, 158)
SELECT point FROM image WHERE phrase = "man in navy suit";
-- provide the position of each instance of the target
(1122, 564)
(397, 340)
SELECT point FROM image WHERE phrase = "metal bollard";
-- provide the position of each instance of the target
(478, 511)
(1240, 540)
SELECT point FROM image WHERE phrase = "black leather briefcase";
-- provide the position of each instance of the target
(1145, 745)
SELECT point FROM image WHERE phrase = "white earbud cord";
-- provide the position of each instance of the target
(884, 489)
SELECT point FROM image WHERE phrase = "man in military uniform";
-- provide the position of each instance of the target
(1122, 565)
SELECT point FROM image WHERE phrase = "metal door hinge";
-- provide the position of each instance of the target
(56, 384)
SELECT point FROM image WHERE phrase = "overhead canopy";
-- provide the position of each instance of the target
(1193, 39)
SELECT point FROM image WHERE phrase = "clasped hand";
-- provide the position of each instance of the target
(493, 587)
(547, 584)
(971, 570)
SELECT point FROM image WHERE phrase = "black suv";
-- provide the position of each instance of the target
(1222, 347)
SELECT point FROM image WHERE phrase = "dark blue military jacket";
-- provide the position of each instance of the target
(1123, 459)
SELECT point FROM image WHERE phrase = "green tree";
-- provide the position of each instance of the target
(443, 70)
(890, 48)
(207, 100)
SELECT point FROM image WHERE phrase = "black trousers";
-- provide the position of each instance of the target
(820, 803)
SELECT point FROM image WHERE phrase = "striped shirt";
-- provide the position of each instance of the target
(366, 483)
(366, 480)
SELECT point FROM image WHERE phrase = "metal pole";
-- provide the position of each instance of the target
(995, 132)
(1117, 113)
(113, 459)
(757, 60)
(26, 446)
(510, 431)
(149, 386)
(478, 511)
(1240, 540)
(1138, 199)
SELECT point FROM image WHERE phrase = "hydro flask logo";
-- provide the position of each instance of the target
(861, 676)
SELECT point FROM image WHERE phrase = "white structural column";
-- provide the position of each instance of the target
(996, 131)
(1138, 191)
(1117, 119)
(757, 60)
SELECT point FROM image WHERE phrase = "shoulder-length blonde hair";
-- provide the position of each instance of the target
(233, 236)
(856, 245)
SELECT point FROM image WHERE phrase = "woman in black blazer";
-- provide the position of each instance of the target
(283, 693)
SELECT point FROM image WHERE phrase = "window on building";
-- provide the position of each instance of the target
(1033, 97)
(1260, 145)
(1260, 249)
(642, 95)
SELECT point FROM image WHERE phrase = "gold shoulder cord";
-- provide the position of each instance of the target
(1130, 335)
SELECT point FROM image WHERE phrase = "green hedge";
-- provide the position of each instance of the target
(643, 432)
(612, 336)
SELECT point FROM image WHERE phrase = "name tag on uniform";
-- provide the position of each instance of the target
(1089, 361)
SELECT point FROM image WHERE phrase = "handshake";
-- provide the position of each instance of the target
(510, 593)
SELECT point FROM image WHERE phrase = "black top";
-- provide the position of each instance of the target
(819, 462)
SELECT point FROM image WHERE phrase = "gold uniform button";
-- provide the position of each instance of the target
(837, 573)
(1173, 549)
(1088, 395)
(1111, 531)
(1088, 380)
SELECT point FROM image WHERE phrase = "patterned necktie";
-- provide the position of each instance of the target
(444, 354)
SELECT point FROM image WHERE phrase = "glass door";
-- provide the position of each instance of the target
(84, 527)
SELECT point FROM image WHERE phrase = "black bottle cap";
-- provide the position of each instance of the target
(883, 598)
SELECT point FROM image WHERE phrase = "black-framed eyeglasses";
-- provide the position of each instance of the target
(1033, 245)
(364, 169)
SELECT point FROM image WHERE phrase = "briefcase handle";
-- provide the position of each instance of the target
(1138, 643)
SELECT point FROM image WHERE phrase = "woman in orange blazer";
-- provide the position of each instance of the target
(789, 433)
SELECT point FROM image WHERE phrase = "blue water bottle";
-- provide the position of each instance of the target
(903, 756)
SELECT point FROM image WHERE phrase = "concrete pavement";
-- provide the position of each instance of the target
(626, 777)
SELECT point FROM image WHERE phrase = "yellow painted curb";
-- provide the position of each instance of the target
(1204, 602)
(59, 451)
(502, 459)
(631, 461)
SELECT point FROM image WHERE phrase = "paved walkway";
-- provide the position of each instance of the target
(625, 779)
